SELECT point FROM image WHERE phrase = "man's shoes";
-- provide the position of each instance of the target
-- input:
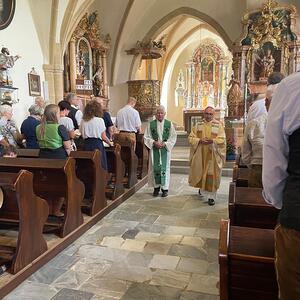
(199, 192)
(156, 192)
(164, 193)
(211, 202)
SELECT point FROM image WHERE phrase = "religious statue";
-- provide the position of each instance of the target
(267, 63)
(98, 82)
(234, 97)
(7, 61)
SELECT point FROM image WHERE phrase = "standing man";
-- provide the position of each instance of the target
(75, 113)
(281, 182)
(128, 121)
(207, 155)
(160, 137)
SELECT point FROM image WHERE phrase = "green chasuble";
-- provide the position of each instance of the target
(160, 155)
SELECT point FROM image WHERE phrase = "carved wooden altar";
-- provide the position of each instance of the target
(269, 44)
(85, 59)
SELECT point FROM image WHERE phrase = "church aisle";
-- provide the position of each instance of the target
(147, 248)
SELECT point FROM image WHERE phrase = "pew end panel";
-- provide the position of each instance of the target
(53, 179)
(116, 167)
(91, 173)
(22, 205)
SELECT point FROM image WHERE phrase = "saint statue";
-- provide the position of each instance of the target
(98, 82)
(234, 97)
(7, 61)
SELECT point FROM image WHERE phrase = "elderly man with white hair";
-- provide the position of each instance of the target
(8, 129)
(160, 137)
(252, 148)
(207, 155)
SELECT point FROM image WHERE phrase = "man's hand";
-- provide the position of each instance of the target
(205, 141)
(156, 144)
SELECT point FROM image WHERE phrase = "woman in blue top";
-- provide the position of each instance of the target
(28, 127)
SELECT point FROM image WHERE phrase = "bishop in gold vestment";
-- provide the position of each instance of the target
(207, 154)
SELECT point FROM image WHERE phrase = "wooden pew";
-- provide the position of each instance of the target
(52, 179)
(248, 208)
(240, 175)
(22, 205)
(91, 173)
(142, 153)
(129, 158)
(28, 153)
(246, 259)
(116, 167)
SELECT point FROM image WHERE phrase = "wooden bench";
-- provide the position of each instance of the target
(142, 154)
(248, 208)
(246, 259)
(21, 205)
(130, 160)
(240, 175)
(91, 173)
(28, 153)
(116, 167)
(52, 179)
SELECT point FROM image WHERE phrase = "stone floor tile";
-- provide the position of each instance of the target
(154, 228)
(32, 291)
(62, 261)
(148, 236)
(123, 271)
(192, 265)
(180, 230)
(166, 220)
(187, 251)
(207, 233)
(188, 222)
(197, 296)
(107, 288)
(71, 279)
(204, 284)
(141, 291)
(69, 294)
(133, 245)
(91, 267)
(209, 224)
(170, 278)
(47, 274)
(139, 259)
(197, 242)
(156, 248)
(170, 239)
(130, 234)
(213, 269)
(112, 241)
(164, 262)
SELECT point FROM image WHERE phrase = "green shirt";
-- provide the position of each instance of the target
(51, 139)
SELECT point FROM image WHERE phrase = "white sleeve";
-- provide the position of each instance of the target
(276, 149)
(102, 125)
(138, 122)
(148, 140)
(246, 146)
(78, 116)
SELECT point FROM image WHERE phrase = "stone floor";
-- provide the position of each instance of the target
(147, 248)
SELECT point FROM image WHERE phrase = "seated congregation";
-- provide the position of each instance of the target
(60, 174)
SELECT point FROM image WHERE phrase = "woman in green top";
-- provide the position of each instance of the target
(54, 140)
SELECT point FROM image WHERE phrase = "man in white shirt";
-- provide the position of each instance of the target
(281, 181)
(252, 148)
(75, 113)
(128, 121)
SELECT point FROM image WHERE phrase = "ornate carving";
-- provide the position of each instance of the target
(234, 97)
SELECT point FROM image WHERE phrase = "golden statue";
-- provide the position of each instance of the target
(234, 97)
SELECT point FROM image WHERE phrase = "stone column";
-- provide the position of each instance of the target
(72, 50)
(104, 65)
(54, 77)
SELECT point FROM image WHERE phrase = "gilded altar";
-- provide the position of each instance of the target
(269, 43)
(85, 59)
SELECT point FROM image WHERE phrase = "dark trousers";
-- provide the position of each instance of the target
(91, 144)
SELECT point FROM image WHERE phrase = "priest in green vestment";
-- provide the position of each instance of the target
(160, 137)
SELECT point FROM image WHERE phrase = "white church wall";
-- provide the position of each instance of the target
(21, 37)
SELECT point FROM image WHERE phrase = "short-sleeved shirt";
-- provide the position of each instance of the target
(92, 128)
(108, 122)
(128, 119)
(67, 122)
(28, 130)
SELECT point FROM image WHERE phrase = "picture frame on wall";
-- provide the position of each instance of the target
(7, 11)
(34, 83)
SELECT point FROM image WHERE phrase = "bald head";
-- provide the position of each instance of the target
(209, 113)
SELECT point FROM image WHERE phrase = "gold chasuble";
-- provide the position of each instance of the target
(206, 161)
